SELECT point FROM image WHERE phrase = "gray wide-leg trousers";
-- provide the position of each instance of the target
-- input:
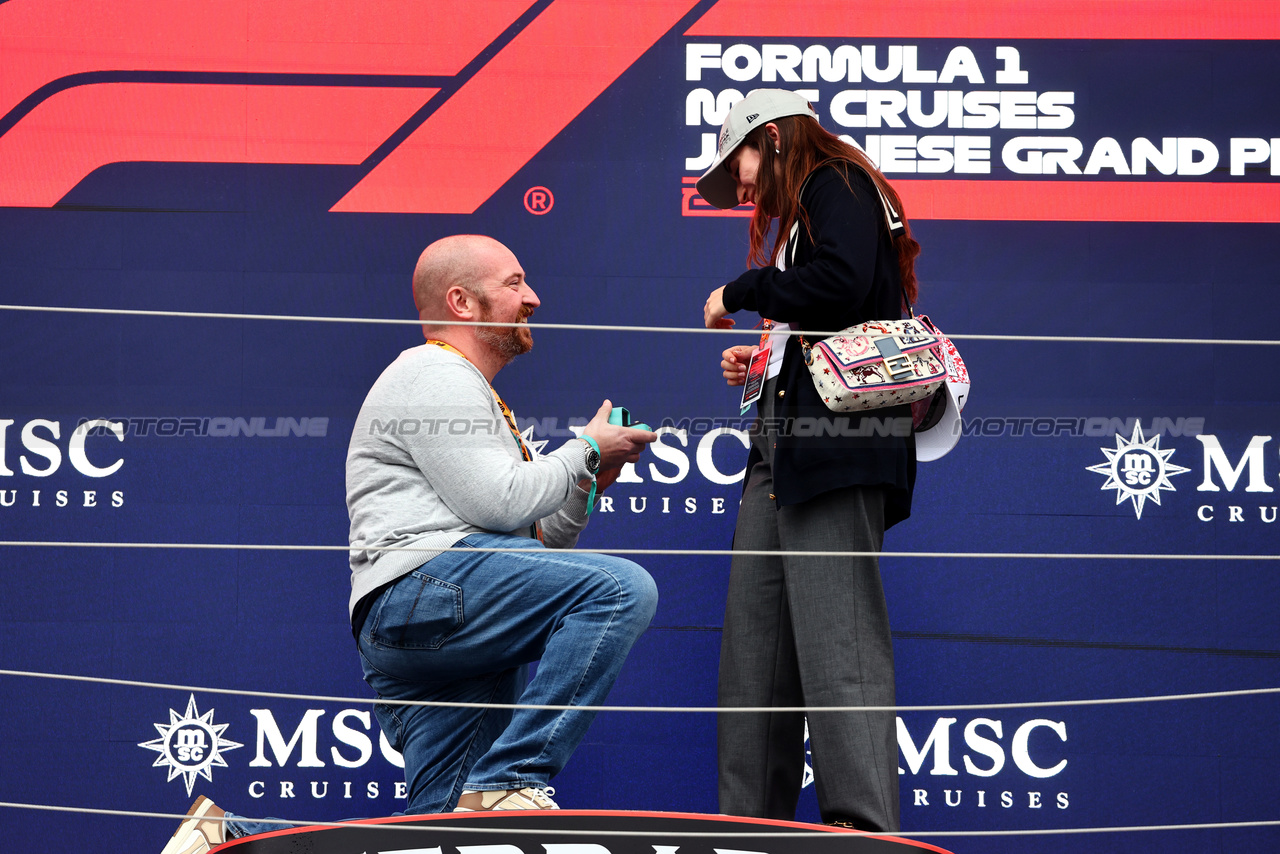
(807, 631)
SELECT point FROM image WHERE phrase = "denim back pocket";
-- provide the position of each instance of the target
(417, 612)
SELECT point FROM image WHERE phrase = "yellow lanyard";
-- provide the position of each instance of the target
(506, 410)
(536, 527)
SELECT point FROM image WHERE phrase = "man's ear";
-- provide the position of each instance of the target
(460, 302)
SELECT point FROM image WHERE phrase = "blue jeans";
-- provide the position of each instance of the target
(462, 627)
(237, 827)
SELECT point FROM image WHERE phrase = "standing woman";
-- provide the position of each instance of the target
(810, 631)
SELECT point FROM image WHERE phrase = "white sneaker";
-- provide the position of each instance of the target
(198, 833)
(505, 799)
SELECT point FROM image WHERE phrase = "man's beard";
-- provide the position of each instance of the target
(506, 341)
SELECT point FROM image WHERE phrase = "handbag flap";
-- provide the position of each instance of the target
(875, 341)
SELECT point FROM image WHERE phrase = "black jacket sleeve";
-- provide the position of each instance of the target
(845, 222)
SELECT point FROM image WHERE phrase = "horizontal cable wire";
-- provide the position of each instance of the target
(310, 318)
(276, 695)
(702, 552)
(651, 552)
(438, 826)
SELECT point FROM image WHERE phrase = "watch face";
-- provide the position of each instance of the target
(593, 460)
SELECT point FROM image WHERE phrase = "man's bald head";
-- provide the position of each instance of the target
(462, 260)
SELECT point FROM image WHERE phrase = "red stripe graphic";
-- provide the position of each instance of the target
(993, 19)
(1106, 201)
(80, 129)
(514, 106)
(473, 144)
(1063, 201)
(45, 40)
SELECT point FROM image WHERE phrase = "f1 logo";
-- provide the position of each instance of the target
(425, 100)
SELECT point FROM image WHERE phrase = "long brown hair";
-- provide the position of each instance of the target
(806, 145)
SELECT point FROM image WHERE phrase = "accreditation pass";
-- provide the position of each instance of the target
(756, 368)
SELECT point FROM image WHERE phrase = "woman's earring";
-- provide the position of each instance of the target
(777, 151)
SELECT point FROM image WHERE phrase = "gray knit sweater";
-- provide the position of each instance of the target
(432, 459)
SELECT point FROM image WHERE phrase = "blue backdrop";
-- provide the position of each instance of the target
(234, 431)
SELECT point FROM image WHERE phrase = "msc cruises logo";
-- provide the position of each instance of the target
(190, 745)
(1137, 469)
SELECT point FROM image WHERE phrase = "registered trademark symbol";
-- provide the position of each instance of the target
(539, 200)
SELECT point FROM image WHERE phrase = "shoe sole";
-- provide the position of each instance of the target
(512, 802)
(194, 816)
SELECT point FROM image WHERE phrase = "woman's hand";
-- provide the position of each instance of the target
(713, 313)
(734, 363)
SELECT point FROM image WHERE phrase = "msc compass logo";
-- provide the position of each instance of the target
(1137, 469)
(535, 446)
(190, 745)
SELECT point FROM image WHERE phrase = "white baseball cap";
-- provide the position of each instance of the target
(759, 106)
(941, 426)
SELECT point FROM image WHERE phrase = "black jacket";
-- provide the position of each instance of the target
(842, 270)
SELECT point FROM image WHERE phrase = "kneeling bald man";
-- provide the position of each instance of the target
(436, 461)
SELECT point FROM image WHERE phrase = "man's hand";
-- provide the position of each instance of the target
(734, 363)
(713, 313)
(618, 445)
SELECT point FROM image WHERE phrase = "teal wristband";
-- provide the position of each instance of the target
(591, 493)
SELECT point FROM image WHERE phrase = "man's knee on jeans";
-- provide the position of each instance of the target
(640, 592)
(624, 584)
